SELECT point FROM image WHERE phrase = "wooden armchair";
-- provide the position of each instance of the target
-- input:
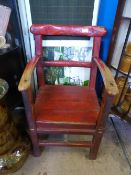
(60, 109)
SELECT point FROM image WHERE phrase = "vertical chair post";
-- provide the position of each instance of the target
(104, 111)
(31, 123)
(95, 54)
(38, 52)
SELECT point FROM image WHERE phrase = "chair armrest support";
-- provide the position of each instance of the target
(108, 79)
(25, 81)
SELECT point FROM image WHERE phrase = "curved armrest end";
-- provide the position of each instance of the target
(27, 74)
(109, 82)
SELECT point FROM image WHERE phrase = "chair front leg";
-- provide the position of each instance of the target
(27, 99)
(104, 112)
(96, 144)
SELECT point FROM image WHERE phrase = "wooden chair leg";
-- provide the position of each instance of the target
(96, 143)
(35, 144)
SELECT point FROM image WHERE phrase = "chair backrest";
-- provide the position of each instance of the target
(67, 30)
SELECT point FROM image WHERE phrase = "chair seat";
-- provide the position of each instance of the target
(66, 105)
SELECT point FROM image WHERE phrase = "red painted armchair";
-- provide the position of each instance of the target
(59, 109)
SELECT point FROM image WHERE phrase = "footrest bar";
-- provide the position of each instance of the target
(63, 143)
(66, 131)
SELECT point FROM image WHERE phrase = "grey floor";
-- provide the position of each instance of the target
(114, 156)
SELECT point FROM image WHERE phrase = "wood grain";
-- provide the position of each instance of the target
(26, 77)
(109, 82)
(66, 104)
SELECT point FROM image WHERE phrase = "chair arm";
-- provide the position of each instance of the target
(108, 79)
(25, 81)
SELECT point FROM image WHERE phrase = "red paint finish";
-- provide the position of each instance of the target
(69, 126)
(38, 51)
(95, 54)
(66, 104)
(70, 144)
(61, 130)
(38, 45)
(67, 64)
(74, 30)
(101, 64)
(65, 109)
(40, 74)
(96, 47)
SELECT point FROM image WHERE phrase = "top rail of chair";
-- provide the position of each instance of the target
(72, 30)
